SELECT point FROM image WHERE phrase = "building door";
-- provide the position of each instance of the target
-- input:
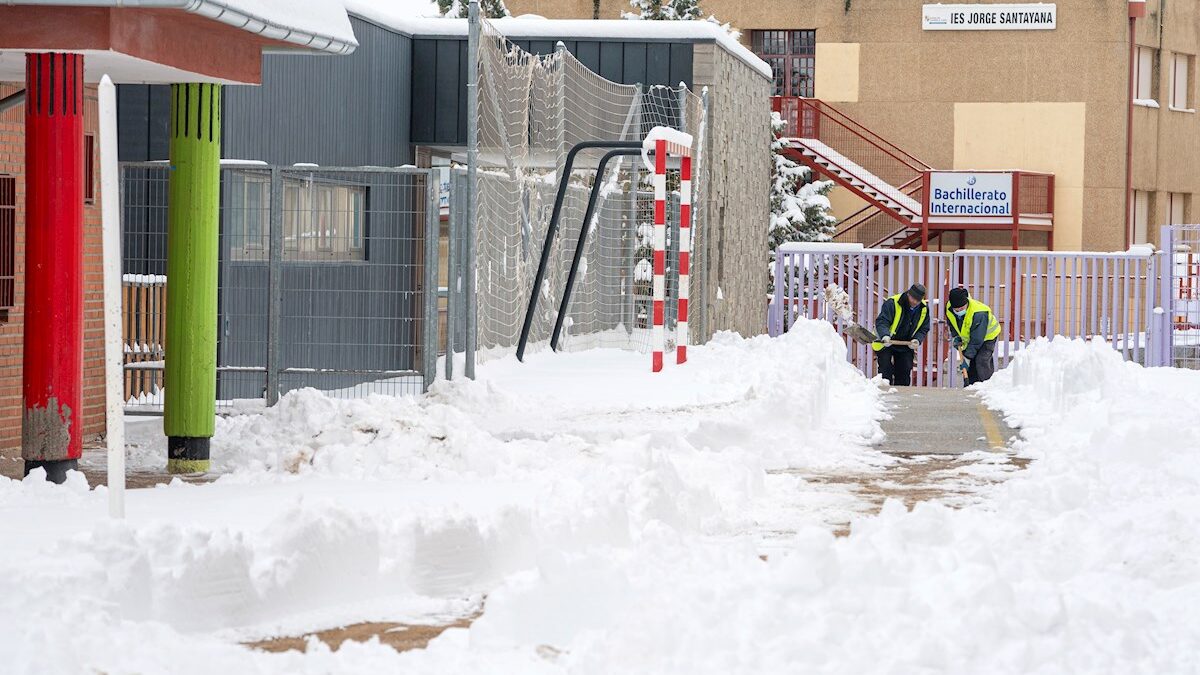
(792, 56)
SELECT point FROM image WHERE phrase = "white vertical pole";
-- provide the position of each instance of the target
(110, 203)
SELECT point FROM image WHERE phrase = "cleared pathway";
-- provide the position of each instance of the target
(929, 437)
(928, 421)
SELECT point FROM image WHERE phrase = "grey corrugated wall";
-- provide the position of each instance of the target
(329, 110)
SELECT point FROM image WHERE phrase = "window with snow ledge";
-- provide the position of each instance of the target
(1182, 98)
(1146, 87)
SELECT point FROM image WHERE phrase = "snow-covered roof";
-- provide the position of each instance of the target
(416, 18)
(322, 25)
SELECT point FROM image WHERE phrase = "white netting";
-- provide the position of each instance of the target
(532, 111)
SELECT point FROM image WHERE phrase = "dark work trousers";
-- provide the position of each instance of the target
(895, 364)
(983, 365)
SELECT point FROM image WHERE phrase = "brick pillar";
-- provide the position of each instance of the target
(52, 375)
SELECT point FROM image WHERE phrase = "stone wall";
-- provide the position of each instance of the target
(737, 181)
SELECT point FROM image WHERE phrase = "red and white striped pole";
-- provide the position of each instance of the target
(658, 338)
(685, 254)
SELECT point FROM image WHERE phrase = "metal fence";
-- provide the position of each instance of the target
(326, 278)
(1033, 294)
(1178, 342)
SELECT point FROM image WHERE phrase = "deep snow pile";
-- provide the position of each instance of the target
(603, 530)
(1089, 562)
(387, 509)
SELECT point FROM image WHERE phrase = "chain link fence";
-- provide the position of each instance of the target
(326, 278)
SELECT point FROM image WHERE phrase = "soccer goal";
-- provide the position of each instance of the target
(568, 205)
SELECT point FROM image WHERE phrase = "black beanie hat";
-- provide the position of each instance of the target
(917, 291)
(959, 297)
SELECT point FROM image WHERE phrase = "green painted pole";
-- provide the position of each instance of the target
(192, 225)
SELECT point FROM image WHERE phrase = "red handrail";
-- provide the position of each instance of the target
(871, 213)
(798, 124)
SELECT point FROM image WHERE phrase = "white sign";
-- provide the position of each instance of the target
(971, 195)
(1041, 16)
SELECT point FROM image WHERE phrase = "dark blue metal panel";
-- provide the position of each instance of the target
(611, 67)
(681, 64)
(447, 94)
(634, 66)
(133, 110)
(424, 84)
(658, 63)
(439, 92)
(461, 138)
(588, 53)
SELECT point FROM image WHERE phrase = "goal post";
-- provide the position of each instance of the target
(564, 246)
(666, 142)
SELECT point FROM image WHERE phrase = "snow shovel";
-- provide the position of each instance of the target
(838, 301)
(958, 360)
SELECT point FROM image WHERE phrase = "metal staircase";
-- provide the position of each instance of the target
(880, 173)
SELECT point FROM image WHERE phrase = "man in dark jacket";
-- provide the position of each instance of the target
(973, 331)
(903, 317)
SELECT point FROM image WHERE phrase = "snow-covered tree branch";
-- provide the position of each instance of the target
(488, 9)
(800, 209)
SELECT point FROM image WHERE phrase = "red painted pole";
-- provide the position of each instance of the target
(52, 375)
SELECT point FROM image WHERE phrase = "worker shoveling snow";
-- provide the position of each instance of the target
(838, 302)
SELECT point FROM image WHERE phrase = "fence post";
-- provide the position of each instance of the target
(777, 302)
(429, 347)
(1166, 342)
(472, 184)
(452, 276)
(702, 203)
(634, 222)
(274, 285)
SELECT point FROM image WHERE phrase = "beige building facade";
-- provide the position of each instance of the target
(1039, 100)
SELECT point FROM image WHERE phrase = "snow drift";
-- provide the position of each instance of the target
(336, 511)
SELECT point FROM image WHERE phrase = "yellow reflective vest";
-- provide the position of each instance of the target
(896, 310)
(963, 326)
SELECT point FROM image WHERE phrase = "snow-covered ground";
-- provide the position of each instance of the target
(611, 520)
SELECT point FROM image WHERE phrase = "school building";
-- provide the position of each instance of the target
(1033, 87)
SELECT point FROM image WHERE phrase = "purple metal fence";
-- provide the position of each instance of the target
(1033, 293)
(1177, 314)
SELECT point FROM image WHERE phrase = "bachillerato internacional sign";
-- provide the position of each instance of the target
(970, 194)
(1041, 16)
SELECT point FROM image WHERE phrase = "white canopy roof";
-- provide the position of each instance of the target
(321, 25)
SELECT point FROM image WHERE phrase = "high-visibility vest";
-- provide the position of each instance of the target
(895, 299)
(964, 328)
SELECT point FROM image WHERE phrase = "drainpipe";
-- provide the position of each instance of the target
(1137, 9)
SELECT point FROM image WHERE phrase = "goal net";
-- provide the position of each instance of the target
(532, 110)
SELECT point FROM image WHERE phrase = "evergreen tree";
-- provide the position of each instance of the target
(665, 10)
(799, 207)
(488, 9)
